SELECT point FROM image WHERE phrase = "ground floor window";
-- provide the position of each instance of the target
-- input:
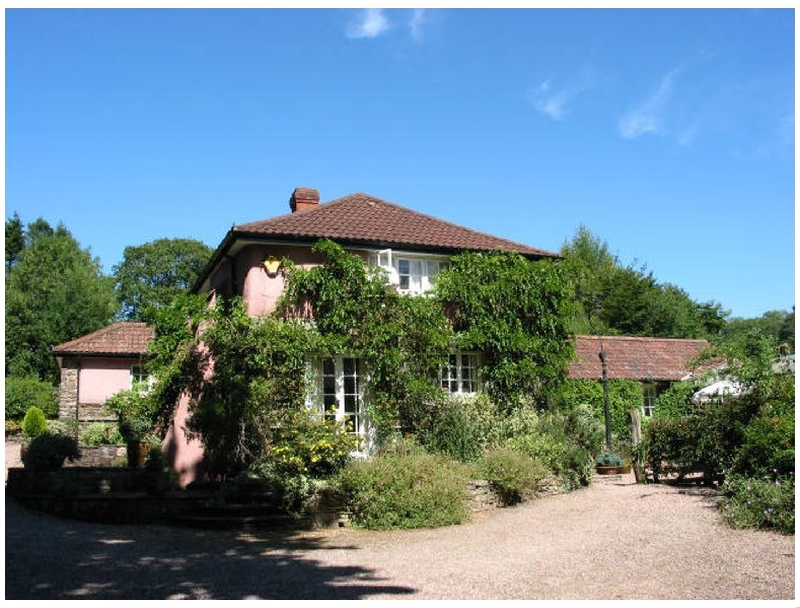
(460, 375)
(650, 392)
(339, 391)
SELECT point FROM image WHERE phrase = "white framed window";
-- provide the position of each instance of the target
(139, 375)
(460, 375)
(411, 273)
(650, 395)
(339, 392)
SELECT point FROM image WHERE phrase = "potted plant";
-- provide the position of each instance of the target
(610, 463)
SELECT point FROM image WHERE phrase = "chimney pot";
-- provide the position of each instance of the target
(303, 199)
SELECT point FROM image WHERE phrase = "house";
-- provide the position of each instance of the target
(655, 362)
(412, 247)
(96, 366)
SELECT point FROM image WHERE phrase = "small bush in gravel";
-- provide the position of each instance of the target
(760, 503)
(512, 475)
(34, 423)
(405, 490)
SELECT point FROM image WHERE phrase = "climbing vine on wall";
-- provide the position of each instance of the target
(514, 311)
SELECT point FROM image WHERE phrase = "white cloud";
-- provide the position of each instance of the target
(648, 117)
(372, 23)
(552, 102)
(416, 22)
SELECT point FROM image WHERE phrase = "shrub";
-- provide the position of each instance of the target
(608, 459)
(34, 423)
(13, 427)
(48, 452)
(563, 442)
(22, 393)
(101, 433)
(135, 409)
(457, 430)
(304, 450)
(767, 444)
(760, 503)
(306, 444)
(405, 490)
(63, 426)
(511, 474)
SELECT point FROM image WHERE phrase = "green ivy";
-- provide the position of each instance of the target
(514, 311)
(623, 396)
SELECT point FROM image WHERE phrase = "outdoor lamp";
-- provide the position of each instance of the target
(271, 265)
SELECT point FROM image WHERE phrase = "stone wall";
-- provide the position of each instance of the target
(68, 390)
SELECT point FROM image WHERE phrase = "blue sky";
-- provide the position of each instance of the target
(668, 133)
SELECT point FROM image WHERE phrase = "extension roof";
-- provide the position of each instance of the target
(119, 339)
(630, 358)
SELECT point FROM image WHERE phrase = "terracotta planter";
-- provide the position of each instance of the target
(612, 470)
(137, 454)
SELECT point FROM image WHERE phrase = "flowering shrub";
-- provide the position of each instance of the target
(760, 503)
(305, 444)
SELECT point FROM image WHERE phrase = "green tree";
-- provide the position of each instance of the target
(15, 240)
(588, 264)
(54, 293)
(776, 326)
(628, 300)
(153, 274)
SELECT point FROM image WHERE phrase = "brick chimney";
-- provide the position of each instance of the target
(304, 198)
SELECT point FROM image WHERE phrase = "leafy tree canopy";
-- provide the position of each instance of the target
(55, 292)
(153, 274)
(15, 240)
(628, 300)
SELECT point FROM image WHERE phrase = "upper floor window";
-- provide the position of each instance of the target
(411, 273)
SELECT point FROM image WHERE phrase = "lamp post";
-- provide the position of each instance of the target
(606, 413)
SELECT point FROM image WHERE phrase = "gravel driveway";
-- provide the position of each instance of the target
(614, 540)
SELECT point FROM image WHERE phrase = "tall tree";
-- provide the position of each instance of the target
(15, 240)
(629, 300)
(54, 293)
(153, 274)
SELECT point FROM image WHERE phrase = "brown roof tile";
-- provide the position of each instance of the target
(367, 220)
(118, 339)
(631, 358)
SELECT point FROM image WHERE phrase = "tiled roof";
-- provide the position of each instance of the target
(366, 220)
(118, 339)
(631, 358)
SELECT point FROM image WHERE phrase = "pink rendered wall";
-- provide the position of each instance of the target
(100, 378)
(185, 455)
(260, 293)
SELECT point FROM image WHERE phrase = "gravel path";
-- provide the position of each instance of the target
(614, 540)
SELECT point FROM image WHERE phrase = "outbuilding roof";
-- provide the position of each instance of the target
(635, 358)
(119, 339)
